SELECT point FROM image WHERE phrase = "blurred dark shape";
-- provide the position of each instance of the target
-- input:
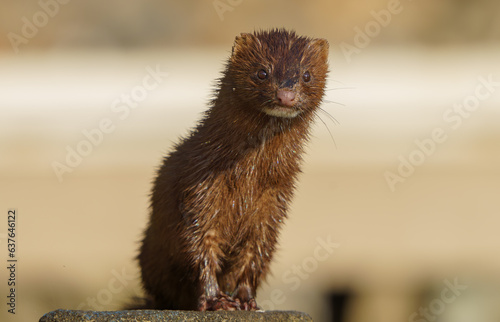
(339, 301)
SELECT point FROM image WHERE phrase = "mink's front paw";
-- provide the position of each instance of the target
(250, 305)
(220, 302)
(245, 298)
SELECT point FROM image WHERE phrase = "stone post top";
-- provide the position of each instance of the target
(158, 316)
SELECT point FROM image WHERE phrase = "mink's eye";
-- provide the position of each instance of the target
(262, 74)
(306, 77)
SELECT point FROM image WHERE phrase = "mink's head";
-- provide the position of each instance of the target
(278, 72)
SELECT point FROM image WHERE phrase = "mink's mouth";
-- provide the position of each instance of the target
(282, 111)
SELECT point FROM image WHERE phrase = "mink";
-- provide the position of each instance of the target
(221, 195)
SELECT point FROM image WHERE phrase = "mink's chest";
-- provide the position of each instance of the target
(253, 188)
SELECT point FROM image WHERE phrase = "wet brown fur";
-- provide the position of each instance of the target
(220, 197)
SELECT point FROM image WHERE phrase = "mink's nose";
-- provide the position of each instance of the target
(286, 97)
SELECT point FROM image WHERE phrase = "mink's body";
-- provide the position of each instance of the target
(221, 196)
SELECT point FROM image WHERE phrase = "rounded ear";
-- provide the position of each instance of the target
(242, 41)
(319, 47)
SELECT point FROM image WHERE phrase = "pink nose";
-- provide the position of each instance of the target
(286, 97)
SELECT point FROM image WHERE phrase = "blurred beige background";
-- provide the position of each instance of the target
(398, 206)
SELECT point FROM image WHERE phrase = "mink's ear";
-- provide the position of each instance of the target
(243, 41)
(319, 48)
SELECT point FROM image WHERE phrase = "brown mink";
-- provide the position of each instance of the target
(222, 194)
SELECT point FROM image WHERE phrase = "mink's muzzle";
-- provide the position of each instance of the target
(286, 97)
(286, 104)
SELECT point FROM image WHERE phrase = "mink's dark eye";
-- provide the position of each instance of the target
(306, 77)
(262, 74)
